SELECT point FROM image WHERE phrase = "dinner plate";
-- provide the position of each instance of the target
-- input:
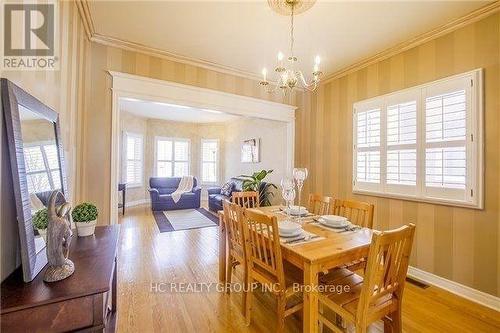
(335, 226)
(288, 227)
(334, 219)
(294, 234)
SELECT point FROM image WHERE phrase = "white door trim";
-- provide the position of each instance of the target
(140, 87)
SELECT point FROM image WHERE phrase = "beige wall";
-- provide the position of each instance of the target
(273, 143)
(61, 90)
(455, 243)
(97, 117)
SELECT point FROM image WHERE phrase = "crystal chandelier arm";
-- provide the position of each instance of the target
(309, 86)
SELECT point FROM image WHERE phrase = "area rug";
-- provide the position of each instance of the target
(183, 219)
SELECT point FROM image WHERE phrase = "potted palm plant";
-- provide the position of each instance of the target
(255, 183)
(85, 217)
(41, 221)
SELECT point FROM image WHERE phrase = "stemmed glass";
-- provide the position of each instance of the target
(300, 175)
(288, 193)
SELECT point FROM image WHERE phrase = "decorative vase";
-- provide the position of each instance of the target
(85, 228)
(43, 233)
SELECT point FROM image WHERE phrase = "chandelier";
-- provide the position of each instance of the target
(288, 77)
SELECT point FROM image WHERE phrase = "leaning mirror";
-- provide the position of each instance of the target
(36, 158)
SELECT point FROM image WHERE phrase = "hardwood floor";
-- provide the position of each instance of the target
(147, 257)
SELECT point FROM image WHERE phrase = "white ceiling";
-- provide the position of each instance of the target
(156, 110)
(247, 35)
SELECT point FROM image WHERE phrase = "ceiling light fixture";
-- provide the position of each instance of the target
(289, 77)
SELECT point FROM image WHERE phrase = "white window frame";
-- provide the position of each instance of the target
(473, 195)
(162, 138)
(127, 134)
(217, 161)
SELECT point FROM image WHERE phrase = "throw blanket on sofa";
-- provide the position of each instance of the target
(185, 185)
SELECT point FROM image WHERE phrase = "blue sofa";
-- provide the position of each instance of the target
(215, 198)
(161, 188)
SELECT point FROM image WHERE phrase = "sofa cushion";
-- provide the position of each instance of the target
(227, 188)
(217, 197)
(167, 183)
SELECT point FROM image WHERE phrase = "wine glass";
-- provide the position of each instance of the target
(300, 175)
(289, 197)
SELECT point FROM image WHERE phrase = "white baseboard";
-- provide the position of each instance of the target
(469, 293)
(137, 203)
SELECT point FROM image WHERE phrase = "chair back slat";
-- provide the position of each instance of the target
(358, 212)
(247, 199)
(233, 218)
(263, 243)
(320, 205)
(386, 267)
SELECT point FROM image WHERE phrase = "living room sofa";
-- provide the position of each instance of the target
(215, 198)
(161, 188)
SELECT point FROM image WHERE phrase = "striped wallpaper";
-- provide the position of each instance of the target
(454, 243)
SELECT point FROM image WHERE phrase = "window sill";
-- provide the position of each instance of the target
(478, 206)
(134, 185)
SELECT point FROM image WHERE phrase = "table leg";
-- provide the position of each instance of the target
(311, 298)
(222, 250)
(123, 201)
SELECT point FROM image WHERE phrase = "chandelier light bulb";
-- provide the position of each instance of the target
(316, 68)
(317, 60)
(280, 56)
(264, 73)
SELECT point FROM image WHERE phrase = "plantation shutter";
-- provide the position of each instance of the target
(446, 140)
(367, 146)
(209, 152)
(134, 163)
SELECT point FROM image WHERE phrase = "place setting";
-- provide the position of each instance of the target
(292, 233)
(335, 223)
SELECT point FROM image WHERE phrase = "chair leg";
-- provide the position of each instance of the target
(361, 328)
(281, 312)
(396, 321)
(387, 325)
(248, 303)
(246, 286)
(229, 273)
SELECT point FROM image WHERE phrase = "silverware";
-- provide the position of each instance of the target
(305, 238)
(291, 241)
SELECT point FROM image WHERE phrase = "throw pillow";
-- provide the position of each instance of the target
(227, 189)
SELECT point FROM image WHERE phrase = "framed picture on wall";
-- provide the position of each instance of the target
(250, 151)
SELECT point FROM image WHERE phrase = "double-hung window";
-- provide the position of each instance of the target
(134, 152)
(172, 157)
(42, 167)
(209, 160)
(422, 143)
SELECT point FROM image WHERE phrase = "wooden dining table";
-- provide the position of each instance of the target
(314, 257)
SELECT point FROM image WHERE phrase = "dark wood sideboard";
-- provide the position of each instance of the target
(85, 301)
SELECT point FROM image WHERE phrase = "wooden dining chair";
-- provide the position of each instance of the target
(357, 212)
(246, 199)
(320, 205)
(267, 267)
(237, 255)
(380, 294)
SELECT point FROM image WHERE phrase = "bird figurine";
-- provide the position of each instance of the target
(58, 240)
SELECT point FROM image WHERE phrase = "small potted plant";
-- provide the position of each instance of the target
(40, 222)
(85, 217)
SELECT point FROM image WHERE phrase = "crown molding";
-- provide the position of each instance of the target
(456, 24)
(93, 36)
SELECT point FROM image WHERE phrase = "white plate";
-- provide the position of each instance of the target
(336, 226)
(288, 227)
(334, 219)
(294, 234)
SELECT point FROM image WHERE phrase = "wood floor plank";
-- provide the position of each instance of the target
(146, 256)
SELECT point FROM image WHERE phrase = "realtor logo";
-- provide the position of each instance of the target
(29, 36)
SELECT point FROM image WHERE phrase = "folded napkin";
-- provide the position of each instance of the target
(185, 185)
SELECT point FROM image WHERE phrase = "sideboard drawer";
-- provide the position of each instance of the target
(56, 317)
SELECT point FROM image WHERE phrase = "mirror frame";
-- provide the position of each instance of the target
(12, 96)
